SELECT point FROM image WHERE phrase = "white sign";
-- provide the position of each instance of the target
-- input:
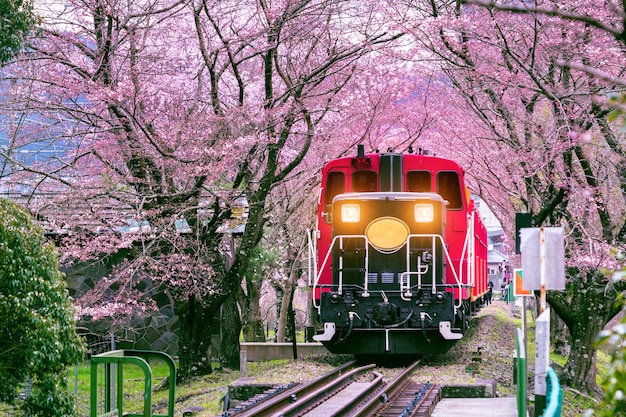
(543, 258)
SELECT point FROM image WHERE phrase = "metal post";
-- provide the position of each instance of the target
(542, 269)
(294, 345)
(243, 362)
(93, 403)
(521, 376)
(525, 335)
(542, 360)
(118, 386)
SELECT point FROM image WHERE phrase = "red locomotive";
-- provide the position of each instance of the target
(401, 254)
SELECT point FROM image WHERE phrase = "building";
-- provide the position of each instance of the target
(497, 260)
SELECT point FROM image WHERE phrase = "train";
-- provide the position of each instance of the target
(400, 262)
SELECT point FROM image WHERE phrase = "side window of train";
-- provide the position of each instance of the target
(449, 188)
(335, 184)
(364, 181)
(418, 181)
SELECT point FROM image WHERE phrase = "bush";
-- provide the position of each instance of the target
(614, 383)
(38, 339)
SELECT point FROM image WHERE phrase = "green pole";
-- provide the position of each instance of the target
(521, 374)
(93, 407)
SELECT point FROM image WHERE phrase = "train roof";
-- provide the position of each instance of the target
(413, 160)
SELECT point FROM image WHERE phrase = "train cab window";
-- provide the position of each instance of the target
(449, 187)
(335, 184)
(364, 181)
(418, 181)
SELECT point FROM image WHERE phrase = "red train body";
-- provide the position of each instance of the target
(401, 255)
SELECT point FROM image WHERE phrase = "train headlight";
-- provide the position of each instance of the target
(350, 213)
(424, 213)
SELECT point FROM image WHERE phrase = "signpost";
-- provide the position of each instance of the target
(543, 263)
(518, 288)
(520, 292)
(542, 361)
(543, 260)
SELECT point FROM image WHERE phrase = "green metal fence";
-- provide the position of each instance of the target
(114, 362)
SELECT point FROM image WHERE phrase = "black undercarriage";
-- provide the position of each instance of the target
(390, 323)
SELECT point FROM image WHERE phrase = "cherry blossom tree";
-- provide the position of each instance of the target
(378, 110)
(162, 115)
(540, 142)
(146, 124)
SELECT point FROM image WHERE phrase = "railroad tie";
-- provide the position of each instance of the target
(415, 400)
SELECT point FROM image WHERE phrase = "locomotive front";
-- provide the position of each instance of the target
(386, 247)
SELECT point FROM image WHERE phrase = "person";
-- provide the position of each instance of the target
(489, 293)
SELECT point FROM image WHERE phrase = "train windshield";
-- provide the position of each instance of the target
(364, 181)
(449, 187)
(418, 181)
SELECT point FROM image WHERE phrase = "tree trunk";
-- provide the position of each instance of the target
(194, 338)
(231, 330)
(580, 369)
(593, 311)
(281, 315)
(286, 317)
(285, 326)
(585, 307)
(253, 330)
(559, 337)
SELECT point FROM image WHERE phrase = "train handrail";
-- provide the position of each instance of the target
(312, 254)
(330, 251)
(448, 258)
(407, 273)
(454, 273)
(469, 246)
(440, 287)
(471, 251)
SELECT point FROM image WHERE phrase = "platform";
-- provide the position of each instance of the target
(476, 407)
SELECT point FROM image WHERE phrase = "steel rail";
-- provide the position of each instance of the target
(389, 391)
(284, 398)
(323, 395)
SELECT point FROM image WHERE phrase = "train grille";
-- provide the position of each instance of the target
(387, 277)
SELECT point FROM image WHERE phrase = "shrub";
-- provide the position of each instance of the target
(38, 339)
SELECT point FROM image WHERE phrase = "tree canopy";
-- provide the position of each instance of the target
(163, 116)
(530, 76)
(16, 20)
(152, 121)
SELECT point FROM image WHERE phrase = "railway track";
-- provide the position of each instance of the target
(350, 391)
(402, 397)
